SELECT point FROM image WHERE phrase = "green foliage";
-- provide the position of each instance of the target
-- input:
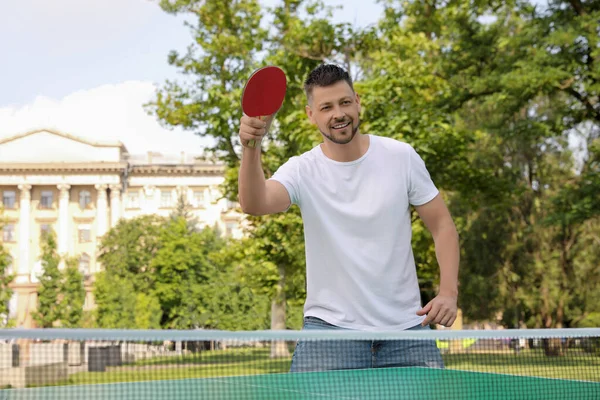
(183, 210)
(6, 277)
(225, 51)
(115, 298)
(247, 282)
(175, 287)
(126, 253)
(489, 93)
(181, 270)
(227, 35)
(73, 295)
(147, 312)
(128, 249)
(49, 311)
(514, 88)
(88, 319)
(61, 294)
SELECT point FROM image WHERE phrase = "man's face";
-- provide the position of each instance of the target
(335, 110)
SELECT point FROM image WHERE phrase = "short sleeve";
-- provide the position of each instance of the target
(288, 174)
(421, 188)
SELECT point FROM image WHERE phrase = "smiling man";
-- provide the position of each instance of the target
(355, 191)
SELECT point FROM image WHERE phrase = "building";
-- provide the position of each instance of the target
(80, 189)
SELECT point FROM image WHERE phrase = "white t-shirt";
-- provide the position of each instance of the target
(360, 268)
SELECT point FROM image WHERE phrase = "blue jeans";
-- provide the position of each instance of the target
(323, 355)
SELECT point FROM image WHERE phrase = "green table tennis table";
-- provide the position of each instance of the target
(389, 383)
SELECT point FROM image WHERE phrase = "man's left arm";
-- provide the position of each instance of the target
(443, 308)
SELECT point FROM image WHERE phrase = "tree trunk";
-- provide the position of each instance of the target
(545, 309)
(279, 348)
(554, 346)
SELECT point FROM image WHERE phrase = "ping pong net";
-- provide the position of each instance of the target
(204, 364)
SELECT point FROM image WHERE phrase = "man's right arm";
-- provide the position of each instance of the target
(257, 195)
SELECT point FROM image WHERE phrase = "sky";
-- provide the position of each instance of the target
(87, 67)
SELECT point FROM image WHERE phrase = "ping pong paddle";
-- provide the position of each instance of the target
(264, 93)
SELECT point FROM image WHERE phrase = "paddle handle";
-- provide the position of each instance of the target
(252, 142)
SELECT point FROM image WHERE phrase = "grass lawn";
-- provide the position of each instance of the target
(577, 365)
(206, 364)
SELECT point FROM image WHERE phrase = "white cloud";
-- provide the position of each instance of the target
(105, 113)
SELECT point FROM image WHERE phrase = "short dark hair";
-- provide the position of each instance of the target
(326, 75)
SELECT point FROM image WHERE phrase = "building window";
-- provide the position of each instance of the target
(85, 233)
(46, 201)
(8, 233)
(198, 198)
(9, 199)
(133, 200)
(166, 198)
(45, 230)
(84, 264)
(85, 198)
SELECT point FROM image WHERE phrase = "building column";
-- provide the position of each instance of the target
(101, 210)
(24, 236)
(115, 205)
(63, 220)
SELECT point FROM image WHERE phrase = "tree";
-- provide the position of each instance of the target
(61, 294)
(183, 210)
(514, 87)
(49, 311)
(6, 277)
(541, 76)
(147, 312)
(127, 250)
(491, 94)
(119, 306)
(72, 295)
(221, 57)
(404, 95)
(182, 268)
(218, 70)
(269, 264)
(126, 253)
(156, 274)
(226, 301)
(116, 300)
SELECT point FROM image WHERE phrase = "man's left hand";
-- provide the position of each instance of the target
(441, 310)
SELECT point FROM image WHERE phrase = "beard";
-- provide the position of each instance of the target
(343, 139)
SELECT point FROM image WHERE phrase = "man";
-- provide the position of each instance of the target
(354, 191)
